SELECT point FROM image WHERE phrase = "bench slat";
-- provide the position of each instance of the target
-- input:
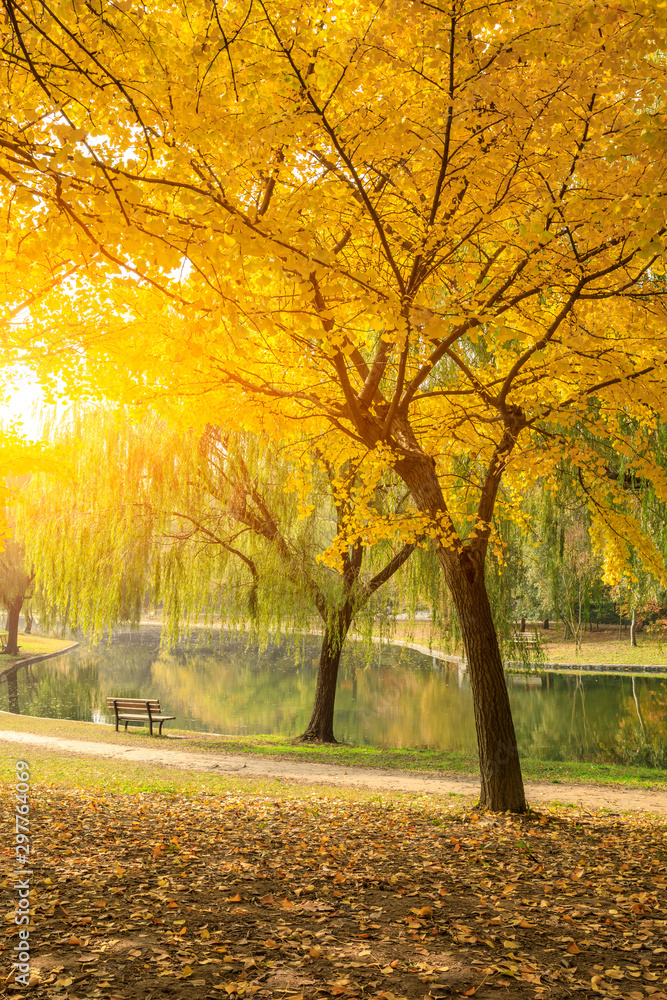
(144, 718)
(128, 709)
(527, 639)
(133, 703)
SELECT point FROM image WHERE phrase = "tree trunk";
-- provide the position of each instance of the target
(13, 613)
(320, 727)
(463, 567)
(633, 628)
(499, 766)
(27, 612)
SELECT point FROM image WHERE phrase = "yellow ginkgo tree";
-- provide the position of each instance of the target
(430, 235)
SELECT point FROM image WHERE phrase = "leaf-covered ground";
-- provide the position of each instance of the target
(140, 896)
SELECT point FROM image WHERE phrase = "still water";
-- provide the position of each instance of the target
(400, 699)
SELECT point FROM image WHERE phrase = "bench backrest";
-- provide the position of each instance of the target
(133, 704)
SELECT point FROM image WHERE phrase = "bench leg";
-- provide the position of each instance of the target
(160, 730)
(150, 726)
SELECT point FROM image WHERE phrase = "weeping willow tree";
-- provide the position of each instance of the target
(573, 556)
(213, 528)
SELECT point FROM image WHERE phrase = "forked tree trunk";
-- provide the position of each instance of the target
(320, 727)
(337, 626)
(499, 766)
(13, 613)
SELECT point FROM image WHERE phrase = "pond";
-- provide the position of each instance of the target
(402, 698)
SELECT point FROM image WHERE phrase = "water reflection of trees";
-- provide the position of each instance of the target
(13, 691)
(595, 718)
(403, 699)
(50, 690)
(389, 705)
(642, 732)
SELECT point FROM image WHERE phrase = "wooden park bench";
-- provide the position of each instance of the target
(528, 640)
(4, 640)
(138, 710)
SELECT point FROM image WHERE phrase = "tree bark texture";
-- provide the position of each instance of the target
(320, 727)
(463, 567)
(499, 766)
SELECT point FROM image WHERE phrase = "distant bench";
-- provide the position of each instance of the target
(529, 640)
(138, 710)
(4, 640)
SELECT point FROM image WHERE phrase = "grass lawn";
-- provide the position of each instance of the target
(454, 762)
(34, 645)
(602, 646)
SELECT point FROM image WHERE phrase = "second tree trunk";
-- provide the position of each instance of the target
(320, 727)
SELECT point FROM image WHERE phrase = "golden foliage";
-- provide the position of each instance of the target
(365, 218)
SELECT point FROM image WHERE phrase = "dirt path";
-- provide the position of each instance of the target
(591, 797)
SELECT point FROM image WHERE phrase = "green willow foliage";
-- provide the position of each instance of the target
(563, 568)
(204, 526)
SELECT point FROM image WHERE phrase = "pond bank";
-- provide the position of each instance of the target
(659, 670)
(512, 666)
(539, 665)
(402, 709)
(26, 661)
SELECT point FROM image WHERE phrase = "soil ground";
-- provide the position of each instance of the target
(321, 892)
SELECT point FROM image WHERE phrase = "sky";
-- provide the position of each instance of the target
(23, 397)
